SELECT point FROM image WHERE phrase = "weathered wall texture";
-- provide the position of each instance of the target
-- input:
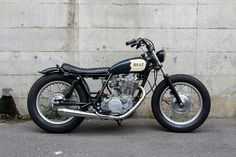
(200, 36)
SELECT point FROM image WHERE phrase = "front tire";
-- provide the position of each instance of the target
(39, 103)
(193, 112)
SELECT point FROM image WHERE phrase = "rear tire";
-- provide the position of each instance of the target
(181, 126)
(36, 115)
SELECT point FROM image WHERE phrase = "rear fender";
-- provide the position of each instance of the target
(51, 70)
(59, 70)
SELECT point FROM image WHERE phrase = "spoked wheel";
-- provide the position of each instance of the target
(41, 100)
(188, 115)
(46, 97)
(186, 112)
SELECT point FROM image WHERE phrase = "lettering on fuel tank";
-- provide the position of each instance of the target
(138, 64)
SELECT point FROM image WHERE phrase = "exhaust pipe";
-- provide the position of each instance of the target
(70, 112)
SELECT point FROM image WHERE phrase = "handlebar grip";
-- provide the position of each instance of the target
(130, 42)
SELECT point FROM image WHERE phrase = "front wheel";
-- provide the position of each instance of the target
(188, 115)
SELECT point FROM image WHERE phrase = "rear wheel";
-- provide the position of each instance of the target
(183, 117)
(40, 100)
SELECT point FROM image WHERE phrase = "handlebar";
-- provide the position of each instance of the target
(130, 42)
(155, 57)
(141, 42)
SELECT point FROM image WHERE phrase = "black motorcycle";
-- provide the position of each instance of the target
(61, 99)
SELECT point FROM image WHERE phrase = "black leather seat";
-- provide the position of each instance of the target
(73, 69)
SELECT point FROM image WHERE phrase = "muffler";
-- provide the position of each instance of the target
(70, 112)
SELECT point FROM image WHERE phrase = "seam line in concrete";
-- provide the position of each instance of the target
(166, 28)
(196, 42)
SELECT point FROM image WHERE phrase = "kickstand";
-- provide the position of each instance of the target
(119, 122)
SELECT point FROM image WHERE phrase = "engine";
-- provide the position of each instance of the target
(121, 99)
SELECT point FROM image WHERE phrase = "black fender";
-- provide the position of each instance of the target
(58, 69)
(51, 70)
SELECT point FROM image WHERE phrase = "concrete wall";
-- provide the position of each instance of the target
(200, 36)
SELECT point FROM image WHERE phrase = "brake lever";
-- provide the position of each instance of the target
(132, 45)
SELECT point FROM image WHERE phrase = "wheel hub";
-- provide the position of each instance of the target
(184, 106)
(56, 98)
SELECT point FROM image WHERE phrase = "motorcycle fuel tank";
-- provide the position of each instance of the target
(130, 65)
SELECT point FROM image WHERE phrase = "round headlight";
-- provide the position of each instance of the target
(161, 55)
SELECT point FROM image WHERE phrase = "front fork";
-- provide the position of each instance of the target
(172, 88)
(167, 79)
